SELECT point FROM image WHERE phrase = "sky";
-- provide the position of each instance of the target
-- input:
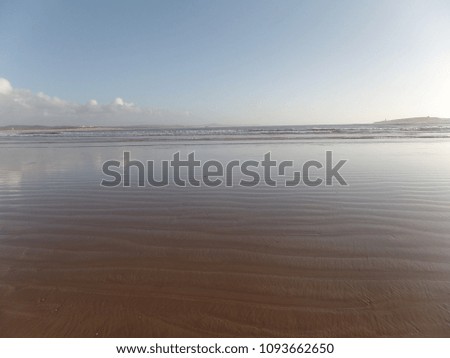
(225, 62)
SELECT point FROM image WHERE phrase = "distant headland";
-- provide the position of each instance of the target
(417, 121)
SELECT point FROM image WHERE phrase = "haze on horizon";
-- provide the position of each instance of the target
(228, 62)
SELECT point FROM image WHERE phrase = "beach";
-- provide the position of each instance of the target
(370, 259)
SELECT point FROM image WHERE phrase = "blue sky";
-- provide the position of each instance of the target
(250, 62)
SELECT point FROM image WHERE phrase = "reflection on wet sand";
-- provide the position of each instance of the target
(370, 259)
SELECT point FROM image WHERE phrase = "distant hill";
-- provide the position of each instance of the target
(34, 127)
(418, 121)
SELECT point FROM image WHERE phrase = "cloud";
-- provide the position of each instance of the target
(119, 102)
(5, 86)
(23, 107)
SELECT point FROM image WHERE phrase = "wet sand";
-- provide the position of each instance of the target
(368, 260)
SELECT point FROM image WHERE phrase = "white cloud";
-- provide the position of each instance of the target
(22, 107)
(5, 86)
(118, 101)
